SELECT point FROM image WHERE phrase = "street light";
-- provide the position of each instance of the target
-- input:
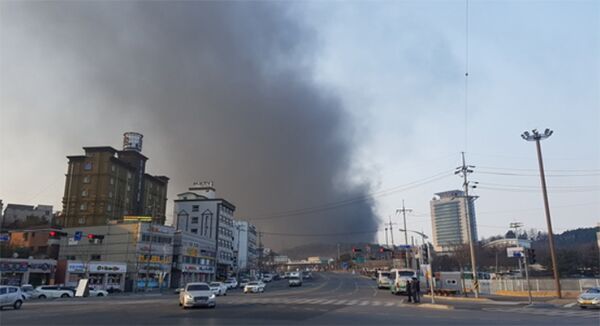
(536, 136)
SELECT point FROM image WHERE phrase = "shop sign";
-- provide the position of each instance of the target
(40, 267)
(13, 266)
(192, 251)
(197, 268)
(108, 268)
(76, 268)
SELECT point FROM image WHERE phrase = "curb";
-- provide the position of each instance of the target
(483, 300)
(436, 306)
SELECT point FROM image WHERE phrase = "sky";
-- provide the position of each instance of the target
(335, 111)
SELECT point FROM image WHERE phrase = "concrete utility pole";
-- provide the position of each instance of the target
(403, 210)
(537, 137)
(387, 244)
(391, 230)
(260, 252)
(464, 171)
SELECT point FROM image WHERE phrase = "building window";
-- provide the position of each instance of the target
(70, 257)
(195, 220)
(128, 175)
(109, 208)
(195, 208)
(110, 194)
(84, 193)
(86, 179)
(83, 207)
(113, 168)
(81, 220)
(96, 257)
(112, 181)
(87, 166)
(195, 231)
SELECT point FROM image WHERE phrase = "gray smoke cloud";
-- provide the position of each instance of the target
(222, 91)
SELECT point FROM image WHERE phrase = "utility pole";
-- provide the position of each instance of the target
(464, 171)
(387, 244)
(260, 252)
(391, 230)
(516, 226)
(149, 251)
(537, 137)
(403, 211)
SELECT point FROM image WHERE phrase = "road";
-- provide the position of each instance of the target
(329, 298)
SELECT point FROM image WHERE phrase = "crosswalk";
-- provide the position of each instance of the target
(550, 312)
(317, 301)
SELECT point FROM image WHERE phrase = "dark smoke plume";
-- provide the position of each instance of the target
(222, 91)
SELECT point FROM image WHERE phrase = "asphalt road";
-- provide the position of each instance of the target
(330, 298)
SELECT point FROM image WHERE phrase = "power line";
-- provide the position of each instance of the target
(334, 205)
(537, 175)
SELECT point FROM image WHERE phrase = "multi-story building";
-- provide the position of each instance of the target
(34, 242)
(106, 184)
(193, 259)
(244, 246)
(18, 216)
(199, 211)
(127, 255)
(449, 220)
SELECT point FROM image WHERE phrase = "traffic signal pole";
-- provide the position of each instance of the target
(525, 258)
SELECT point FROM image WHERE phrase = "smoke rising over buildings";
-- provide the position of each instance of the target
(225, 91)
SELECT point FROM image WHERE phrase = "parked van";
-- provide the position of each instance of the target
(399, 279)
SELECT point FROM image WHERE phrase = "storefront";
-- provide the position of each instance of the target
(27, 271)
(102, 275)
(187, 273)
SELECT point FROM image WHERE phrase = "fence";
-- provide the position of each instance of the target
(537, 285)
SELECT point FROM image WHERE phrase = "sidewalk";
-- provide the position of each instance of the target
(507, 300)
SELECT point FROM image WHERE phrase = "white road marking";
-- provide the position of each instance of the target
(340, 302)
(364, 303)
(375, 303)
(351, 302)
(569, 305)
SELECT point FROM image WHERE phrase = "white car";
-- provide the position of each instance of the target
(197, 294)
(98, 293)
(10, 296)
(26, 291)
(267, 278)
(218, 288)
(50, 291)
(255, 287)
(231, 283)
(294, 281)
(589, 298)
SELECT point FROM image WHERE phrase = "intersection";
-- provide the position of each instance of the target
(329, 298)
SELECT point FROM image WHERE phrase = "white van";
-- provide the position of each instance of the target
(383, 279)
(399, 279)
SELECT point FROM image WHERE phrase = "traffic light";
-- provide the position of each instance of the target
(95, 238)
(425, 252)
(531, 256)
(56, 234)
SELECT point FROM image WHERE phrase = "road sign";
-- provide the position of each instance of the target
(514, 252)
(73, 242)
(405, 246)
(77, 236)
(4, 237)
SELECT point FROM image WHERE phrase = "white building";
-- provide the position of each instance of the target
(200, 213)
(244, 245)
(15, 214)
(449, 220)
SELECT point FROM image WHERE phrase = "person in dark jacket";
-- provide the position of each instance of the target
(409, 290)
(415, 289)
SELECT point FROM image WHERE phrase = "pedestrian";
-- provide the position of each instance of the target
(416, 288)
(409, 290)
